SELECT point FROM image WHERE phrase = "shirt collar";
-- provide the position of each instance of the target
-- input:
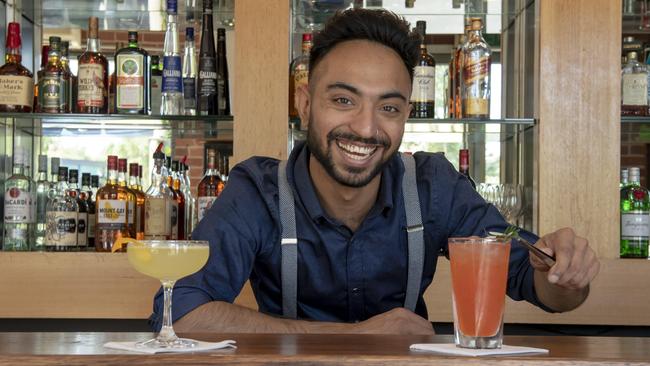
(298, 174)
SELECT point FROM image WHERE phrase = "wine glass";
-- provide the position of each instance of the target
(168, 261)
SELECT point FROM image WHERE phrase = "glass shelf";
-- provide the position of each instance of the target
(641, 120)
(502, 121)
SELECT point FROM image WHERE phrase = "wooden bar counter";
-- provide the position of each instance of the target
(313, 349)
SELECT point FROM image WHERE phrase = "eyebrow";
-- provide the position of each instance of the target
(354, 90)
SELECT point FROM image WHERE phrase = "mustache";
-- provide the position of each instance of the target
(379, 140)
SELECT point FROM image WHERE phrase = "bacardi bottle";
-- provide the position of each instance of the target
(18, 202)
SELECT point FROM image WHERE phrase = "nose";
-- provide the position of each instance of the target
(365, 123)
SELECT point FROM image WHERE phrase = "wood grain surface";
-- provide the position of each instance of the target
(313, 349)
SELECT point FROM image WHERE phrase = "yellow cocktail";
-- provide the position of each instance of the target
(168, 261)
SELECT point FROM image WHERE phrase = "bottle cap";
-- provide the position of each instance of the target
(111, 162)
(55, 43)
(42, 163)
(172, 7)
(207, 6)
(632, 55)
(175, 165)
(94, 180)
(44, 53)
(307, 37)
(55, 163)
(93, 28)
(158, 154)
(85, 179)
(64, 48)
(20, 155)
(140, 168)
(74, 176)
(477, 23)
(133, 37)
(168, 162)
(63, 174)
(13, 35)
(133, 169)
(189, 34)
(121, 165)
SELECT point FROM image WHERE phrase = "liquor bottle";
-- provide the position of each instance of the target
(55, 163)
(53, 86)
(477, 59)
(112, 82)
(92, 79)
(299, 72)
(172, 80)
(634, 87)
(132, 81)
(189, 73)
(72, 85)
(463, 166)
(42, 193)
(16, 81)
(155, 98)
(210, 186)
(635, 218)
(140, 169)
(39, 75)
(180, 200)
(157, 201)
(207, 83)
(19, 199)
(139, 200)
(87, 195)
(456, 109)
(190, 201)
(223, 86)
(173, 218)
(111, 204)
(131, 200)
(82, 213)
(94, 185)
(424, 76)
(624, 178)
(62, 213)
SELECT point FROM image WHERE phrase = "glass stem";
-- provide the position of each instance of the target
(167, 332)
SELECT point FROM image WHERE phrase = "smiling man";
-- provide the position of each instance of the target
(344, 237)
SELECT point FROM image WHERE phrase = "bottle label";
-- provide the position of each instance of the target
(111, 215)
(476, 69)
(635, 89)
(82, 225)
(156, 94)
(174, 219)
(204, 204)
(129, 93)
(189, 93)
(635, 224)
(61, 228)
(91, 226)
(300, 77)
(423, 84)
(90, 86)
(222, 95)
(207, 76)
(53, 91)
(476, 106)
(171, 79)
(18, 207)
(154, 216)
(16, 90)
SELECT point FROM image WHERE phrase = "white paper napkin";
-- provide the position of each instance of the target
(201, 346)
(451, 349)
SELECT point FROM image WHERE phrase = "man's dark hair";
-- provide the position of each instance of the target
(381, 26)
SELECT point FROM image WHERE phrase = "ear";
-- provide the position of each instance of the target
(303, 103)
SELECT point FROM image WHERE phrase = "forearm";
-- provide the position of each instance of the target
(223, 317)
(558, 298)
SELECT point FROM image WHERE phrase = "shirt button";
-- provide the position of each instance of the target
(355, 290)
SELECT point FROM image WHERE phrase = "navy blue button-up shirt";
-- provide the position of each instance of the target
(343, 276)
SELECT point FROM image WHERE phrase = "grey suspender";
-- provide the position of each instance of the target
(289, 242)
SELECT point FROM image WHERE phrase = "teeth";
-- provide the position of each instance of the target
(356, 152)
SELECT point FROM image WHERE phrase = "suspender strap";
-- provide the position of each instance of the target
(289, 270)
(415, 232)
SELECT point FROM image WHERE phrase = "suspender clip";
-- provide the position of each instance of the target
(414, 228)
(288, 241)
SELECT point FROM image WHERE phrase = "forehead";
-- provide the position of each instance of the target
(364, 62)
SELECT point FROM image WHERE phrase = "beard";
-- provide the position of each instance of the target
(347, 176)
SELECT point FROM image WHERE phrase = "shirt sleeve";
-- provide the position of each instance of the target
(469, 214)
(231, 226)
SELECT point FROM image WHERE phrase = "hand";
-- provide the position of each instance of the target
(576, 264)
(395, 321)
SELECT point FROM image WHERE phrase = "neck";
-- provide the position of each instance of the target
(12, 56)
(346, 204)
(93, 45)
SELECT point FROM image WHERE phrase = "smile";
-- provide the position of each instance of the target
(356, 152)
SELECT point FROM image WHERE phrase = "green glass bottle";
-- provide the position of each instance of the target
(635, 218)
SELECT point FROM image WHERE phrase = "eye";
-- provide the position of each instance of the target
(390, 108)
(343, 100)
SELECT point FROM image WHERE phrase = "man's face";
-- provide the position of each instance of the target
(357, 107)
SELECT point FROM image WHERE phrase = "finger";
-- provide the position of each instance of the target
(577, 268)
(563, 248)
(589, 260)
(591, 274)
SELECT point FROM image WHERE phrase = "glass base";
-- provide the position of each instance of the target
(464, 341)
(176, 343)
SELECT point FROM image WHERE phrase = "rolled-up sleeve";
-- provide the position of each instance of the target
(229, 227)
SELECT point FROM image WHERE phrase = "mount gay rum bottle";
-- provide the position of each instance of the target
(92, 78)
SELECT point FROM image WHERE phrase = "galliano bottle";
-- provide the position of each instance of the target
(92, 78)
(172, 80)
(16, 81)
(477, 60)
